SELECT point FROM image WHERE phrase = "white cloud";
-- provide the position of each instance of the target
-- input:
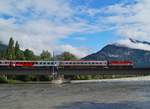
(126, 20)
(40, 24)
(130, 44)
(132, 20)
(80, 38)
(79, 52)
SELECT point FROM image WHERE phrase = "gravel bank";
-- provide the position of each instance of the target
(142, 78)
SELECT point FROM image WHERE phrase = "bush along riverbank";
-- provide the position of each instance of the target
(45, 78)
(23, 79)
(3, 80)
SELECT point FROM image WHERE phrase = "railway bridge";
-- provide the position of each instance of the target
(56, 68)
(73, 71)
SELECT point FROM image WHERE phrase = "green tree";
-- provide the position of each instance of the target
(0, 50)
(45, 55)
(29, 55)
(10, 52)
(67, 56)
(19, 53)
(17, 48)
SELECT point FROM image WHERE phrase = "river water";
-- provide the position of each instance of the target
(101, 95)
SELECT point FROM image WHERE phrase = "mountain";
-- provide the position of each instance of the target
(2, 47)
(141, 58)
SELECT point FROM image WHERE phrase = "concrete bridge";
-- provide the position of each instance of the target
(74, 71)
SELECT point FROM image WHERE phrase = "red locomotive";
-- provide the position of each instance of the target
(120, 64)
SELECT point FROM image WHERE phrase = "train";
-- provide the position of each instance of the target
(63, 64)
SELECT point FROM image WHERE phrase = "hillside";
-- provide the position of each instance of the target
(2, 47)
(141, 58)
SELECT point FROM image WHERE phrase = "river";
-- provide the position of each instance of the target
(100, 95)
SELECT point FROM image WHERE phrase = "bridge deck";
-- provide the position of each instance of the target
(76, 71)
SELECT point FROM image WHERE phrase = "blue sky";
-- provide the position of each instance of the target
(94, 41)
(78, 26)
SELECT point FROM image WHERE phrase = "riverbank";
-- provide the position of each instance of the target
(128, 79)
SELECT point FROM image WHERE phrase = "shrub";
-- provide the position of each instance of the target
(3, 79)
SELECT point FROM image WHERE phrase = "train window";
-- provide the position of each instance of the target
(48, 63)
(40, 62)
(44, 63)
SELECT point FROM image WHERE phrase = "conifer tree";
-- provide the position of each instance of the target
(10, 52)
(19, 53)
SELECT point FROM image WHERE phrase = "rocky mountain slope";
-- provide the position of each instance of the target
(141, 58)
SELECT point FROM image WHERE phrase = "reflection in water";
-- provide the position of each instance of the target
(102, 95)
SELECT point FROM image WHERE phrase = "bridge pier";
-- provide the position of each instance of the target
(60, 80)
(57, 77)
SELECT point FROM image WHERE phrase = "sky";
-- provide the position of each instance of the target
(81, 27)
